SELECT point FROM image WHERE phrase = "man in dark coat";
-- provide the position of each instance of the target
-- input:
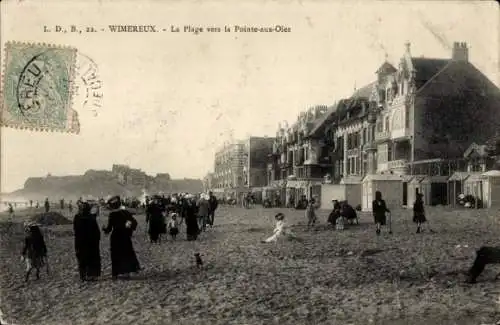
(121, 225)
(213, 204)
(87, 238)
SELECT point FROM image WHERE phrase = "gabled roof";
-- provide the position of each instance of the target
(386, 67)
(320, 123)
(474, 147)
(427, 68)
(364, 92)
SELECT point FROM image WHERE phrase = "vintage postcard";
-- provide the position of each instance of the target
(249, 162)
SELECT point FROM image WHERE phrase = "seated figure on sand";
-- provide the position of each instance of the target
(280, 230)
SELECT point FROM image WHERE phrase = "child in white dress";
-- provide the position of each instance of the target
(281, 230)
(339, 223)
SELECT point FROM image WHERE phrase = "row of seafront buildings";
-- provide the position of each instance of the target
(421, 126)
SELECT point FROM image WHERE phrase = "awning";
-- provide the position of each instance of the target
(297, 184)
(407, 178)
(492, 173)
(476, 177)
(351, 180)
(435, 179)
(418, 178)
(458, 177)
(382, 177)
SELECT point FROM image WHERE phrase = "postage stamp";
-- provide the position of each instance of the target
(38, 87)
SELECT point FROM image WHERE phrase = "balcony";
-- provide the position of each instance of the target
(401, 134)
(396, 163)
(382, 136)
(353, 152)
(399, 166)
(370, 146)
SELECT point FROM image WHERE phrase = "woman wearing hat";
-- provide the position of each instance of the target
(121, 225)
(203, 211)
(419, 212)
(155, 220)
(379, 208)
(87, 239)
(191, 213)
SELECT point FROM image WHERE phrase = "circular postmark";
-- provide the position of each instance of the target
(89, 84)
(42, 91)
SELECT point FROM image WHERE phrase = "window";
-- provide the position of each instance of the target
(389, 152)
(365, 140)
(407, 117)
(380, 127)
(387, 123)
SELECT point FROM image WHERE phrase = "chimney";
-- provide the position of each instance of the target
(460, 52)
(407, 46)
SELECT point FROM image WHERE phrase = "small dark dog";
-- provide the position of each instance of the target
(199, 262)
(485, 255)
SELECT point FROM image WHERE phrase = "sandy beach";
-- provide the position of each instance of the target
(349, 277)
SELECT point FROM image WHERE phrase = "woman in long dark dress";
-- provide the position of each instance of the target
(379, 208)
(419, 212)
(191, 214)
(121, 225)
(156, 221)
(87, 239)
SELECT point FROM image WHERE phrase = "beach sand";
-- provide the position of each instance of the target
(331, 277)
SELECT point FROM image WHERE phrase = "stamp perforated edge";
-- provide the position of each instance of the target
(72, 123)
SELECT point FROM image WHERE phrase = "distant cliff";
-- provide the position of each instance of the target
(101, 183)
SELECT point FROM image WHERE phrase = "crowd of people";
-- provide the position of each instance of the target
(165, 214)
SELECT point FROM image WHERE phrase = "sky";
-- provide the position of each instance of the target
(170, 100)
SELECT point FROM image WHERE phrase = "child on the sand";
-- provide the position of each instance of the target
(34, 251)
(173, 226)
(339, 223)
(311, 213)
(280, 230)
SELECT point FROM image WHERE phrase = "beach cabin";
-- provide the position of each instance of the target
(348, 190)
(491, 194)
(390, 185)
(473, 185)
(435, 190)
(456, 186)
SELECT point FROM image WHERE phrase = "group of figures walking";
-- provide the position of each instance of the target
(121, 224)
(164, 215)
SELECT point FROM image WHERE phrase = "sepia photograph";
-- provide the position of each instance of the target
(250, 163)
